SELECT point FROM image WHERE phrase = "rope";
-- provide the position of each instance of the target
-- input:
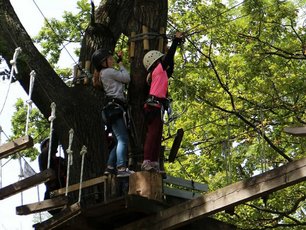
(29, 101)
(141, 36)
(70, 159)
(0, 172)
(51, 119)
(82, 153)
(13, 62)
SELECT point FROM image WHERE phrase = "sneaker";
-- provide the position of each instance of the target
(147, 166)
(124, 172)
(110, 170)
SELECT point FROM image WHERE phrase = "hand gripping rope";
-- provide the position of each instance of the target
(29, 101)
(70, 159)
(51, 119)
(82, 153)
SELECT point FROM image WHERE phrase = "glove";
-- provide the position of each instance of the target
(119, 54)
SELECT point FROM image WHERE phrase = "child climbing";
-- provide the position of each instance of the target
(113, 82)
(159, 67)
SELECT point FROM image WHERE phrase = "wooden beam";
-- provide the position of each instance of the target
(46, 205)
(224, 198)
(186, 183)
(296, 131)
(188, 195)
(176, 144)
(27, 183)
(60, 218)
(85, 184)
(15, 146)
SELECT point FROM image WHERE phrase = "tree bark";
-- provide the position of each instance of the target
(79, 107)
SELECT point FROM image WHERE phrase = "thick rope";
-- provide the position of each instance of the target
(70, 159)
(13, 62)
(82, 153)
(51, 119)
(29, 101)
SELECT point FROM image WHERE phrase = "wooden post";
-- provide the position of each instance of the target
(146, 184)
(87, 70)
(132, 45)
(161, 39)
(145, 38)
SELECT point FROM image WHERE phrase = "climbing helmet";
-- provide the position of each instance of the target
(151, 57)
(99, 56)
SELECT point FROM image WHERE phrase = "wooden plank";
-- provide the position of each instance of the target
(180, 193)
(60, 218)
(224, 198)
(76, 187)
(27, 183)
(176, 144)
(186, 183)
(15, 146)
(142, 204)
(296, 131)
(46, 205)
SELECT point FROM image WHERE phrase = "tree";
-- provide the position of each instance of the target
(79, 107)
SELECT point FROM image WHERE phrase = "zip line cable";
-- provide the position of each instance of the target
(51, 27)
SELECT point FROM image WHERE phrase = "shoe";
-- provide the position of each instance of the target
(110, 170)
(124, 172)
(147, 166)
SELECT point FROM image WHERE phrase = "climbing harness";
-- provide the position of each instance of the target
(113, 110)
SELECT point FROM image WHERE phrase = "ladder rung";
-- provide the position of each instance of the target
(46, 205)
(27, 183)
(15, 146)
(60, 218)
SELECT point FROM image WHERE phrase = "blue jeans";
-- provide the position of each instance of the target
(118, 155)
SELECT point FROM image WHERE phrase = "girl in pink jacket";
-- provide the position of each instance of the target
(160, 68)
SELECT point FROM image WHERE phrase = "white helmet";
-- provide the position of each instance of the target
(151, 57)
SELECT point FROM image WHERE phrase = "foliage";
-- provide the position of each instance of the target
(55, 35)
(238, 82)
(38, 127)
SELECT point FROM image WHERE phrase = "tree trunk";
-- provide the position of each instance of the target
(79, 107)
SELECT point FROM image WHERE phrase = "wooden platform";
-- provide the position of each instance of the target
(296, 131)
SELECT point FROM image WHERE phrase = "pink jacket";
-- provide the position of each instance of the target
(159, 83)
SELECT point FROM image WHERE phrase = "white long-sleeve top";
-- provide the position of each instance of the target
(113, 82)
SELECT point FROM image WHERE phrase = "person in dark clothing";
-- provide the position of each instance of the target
(58, 164)
(160, 68)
